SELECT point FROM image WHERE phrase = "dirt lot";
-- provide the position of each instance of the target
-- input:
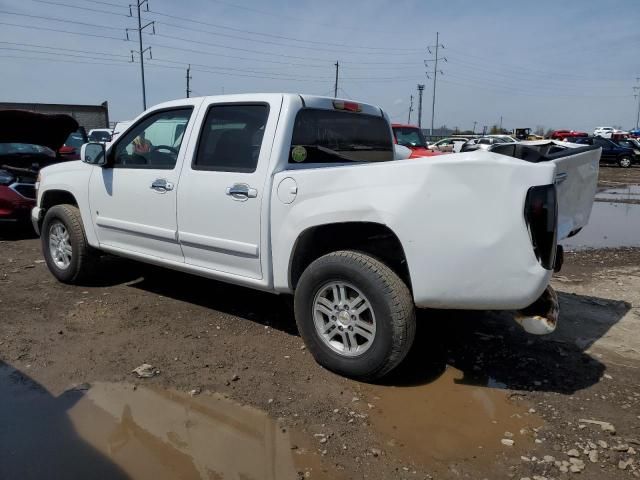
(234, 394)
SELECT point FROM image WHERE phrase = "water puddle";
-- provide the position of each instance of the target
(611, 225)
(627, 193)
(447, 421)
(115, 431)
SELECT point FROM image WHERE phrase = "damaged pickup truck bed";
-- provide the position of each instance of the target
(303, 195)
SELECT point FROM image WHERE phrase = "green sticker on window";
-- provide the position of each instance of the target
(299, 154)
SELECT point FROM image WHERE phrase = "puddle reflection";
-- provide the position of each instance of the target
(611, 225)
(117, 431)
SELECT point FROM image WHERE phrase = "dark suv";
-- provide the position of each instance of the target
(611, 151)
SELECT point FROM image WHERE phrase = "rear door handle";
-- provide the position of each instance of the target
(161, 185)
(241, 191)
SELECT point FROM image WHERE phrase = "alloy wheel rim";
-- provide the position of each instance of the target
(344, 318)
(625, 162)
(60, 246)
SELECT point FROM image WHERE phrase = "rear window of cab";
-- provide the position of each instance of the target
(333, 136)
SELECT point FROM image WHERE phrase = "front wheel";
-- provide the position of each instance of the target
(64, 245)
(624, 162)
(355, 314)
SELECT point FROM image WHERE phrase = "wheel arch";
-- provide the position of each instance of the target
(375, 239)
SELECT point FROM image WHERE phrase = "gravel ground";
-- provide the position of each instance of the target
(211, 337)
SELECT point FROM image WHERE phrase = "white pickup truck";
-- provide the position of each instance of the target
(298, 194)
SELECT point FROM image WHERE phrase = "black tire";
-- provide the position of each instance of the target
(625, 161)
(83, 257)
(391, 302)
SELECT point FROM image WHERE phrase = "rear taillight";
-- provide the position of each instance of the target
(541, 215)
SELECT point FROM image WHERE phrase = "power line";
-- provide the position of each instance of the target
(14, 49)
(314, 47)
(106, 3)
(93, 52)
(114, 63)
(60, 4)
(282, 37)
(31, 27)
(54, 19)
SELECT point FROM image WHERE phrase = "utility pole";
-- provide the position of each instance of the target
(474, 127)
(500, 124)
(335, 88)
(637, 89)
(138, 5)
(420, 90)
(410, 109)
(188, 79)
(435, 60)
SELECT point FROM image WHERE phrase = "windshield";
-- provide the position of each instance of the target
(75, 139)
(409, 137)
(329, 136)
(25, 149)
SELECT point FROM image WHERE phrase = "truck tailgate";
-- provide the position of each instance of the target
(576, 184)
(576, 176)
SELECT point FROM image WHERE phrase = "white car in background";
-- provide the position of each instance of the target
(604, 132)
(102, 135)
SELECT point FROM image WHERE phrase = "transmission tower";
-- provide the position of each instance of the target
(434, 48)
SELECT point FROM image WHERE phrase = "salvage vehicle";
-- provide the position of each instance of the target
(483, 143)
(452, 144)
(28, 142)
(100, 135)
(411, 137)
(299, 194)
(564, 135)
(70, 150)
(604, 132)
(632, 143)
(612, 152)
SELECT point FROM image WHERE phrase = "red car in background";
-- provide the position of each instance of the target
(70, 150)
(411, 137)
(564, 134)
(28, 142)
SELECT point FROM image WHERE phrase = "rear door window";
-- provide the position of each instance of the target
(329, 136)
(231, 138)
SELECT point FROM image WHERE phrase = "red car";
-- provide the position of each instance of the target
(28, 142)
(411, 137)
(563, 134)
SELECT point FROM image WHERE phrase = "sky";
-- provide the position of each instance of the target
(551, 63)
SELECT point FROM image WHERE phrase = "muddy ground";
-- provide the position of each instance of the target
(234, 394)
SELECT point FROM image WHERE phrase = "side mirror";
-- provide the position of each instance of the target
(94, 154)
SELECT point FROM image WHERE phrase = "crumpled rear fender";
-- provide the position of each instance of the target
(459, 219)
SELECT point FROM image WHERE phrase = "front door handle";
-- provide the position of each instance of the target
(161, 185)
(241, 191)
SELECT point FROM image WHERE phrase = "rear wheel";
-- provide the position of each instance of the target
(355, 314)
(624, 162)
(64, 245)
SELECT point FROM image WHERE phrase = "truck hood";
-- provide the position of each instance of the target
(22, 126)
